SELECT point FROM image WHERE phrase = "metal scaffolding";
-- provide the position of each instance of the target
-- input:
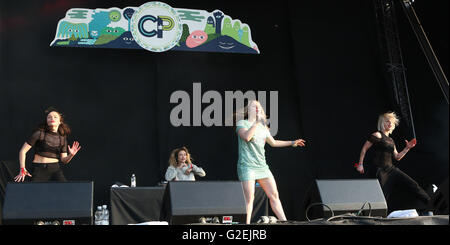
(391, 54)
(426, 46)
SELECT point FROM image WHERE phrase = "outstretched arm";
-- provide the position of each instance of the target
(282, 143)
(409, 144)
(65, 158)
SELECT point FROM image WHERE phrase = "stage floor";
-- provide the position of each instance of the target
(364, 220)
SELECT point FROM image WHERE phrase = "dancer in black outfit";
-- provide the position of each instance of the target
(389, 176)
(50, 144)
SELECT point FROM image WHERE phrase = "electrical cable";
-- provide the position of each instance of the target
(362, 209)
(315, 204)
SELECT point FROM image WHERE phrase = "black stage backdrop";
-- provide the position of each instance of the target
(321, 56)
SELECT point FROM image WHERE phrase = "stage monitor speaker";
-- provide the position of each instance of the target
(340, 196)
(188, 202)
(45, 203)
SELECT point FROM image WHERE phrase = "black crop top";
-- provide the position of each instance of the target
(383, 150)
(48, 144)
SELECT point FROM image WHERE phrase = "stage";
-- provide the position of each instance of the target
(323, 71)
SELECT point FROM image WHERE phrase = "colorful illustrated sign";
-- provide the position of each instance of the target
(154, 26)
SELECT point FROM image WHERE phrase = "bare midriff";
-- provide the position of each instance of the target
(41, 159)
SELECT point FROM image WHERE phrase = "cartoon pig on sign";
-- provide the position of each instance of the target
(196, 38)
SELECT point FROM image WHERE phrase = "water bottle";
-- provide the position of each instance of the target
(105, 216)
(98, 216)
(133, 180)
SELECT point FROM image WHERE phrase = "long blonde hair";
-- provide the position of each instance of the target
(387, 116)
(173, 159)
(242, 113)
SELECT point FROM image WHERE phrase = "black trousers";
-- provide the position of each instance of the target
(43, 172)
(400, 190)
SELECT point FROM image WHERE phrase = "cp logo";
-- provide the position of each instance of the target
(155, 26)
(163, 23)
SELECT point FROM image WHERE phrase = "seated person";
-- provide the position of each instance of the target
(181, 167)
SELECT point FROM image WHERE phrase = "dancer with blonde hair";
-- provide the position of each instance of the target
(253, 133)
(389, 176)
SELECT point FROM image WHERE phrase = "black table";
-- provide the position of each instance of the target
(142, 204)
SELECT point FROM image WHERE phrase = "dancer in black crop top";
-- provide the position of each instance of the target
(50, 145)
(384, 150)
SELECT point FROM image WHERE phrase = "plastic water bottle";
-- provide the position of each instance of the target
(105, 215)
(133, 180)
(98, 216)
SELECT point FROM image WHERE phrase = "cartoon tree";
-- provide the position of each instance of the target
(185, 33)
(236, 28)
(246, 36)
(210, 28)
(127, 14)
(218, 16)
(227, 29)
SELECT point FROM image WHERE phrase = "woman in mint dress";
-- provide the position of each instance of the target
(252, 166)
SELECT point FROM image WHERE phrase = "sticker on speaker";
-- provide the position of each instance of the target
(227, 219)
(68, 222)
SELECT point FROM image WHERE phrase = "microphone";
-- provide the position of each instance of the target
(261, 120)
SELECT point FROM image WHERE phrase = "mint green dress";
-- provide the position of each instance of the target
(252, 160)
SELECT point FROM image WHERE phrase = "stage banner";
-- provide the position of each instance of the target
(156, 27)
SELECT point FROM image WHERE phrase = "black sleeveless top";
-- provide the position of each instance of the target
(383, 150)
(48, 144)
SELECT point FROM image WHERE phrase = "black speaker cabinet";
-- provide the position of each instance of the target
(187, 202)
(44, 203)
(346, 196)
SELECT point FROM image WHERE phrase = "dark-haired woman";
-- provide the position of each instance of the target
(50, 145)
